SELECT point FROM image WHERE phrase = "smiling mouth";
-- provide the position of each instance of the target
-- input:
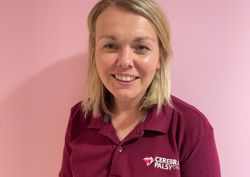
(124, 78)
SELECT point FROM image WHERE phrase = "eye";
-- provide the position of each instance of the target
(110, 46)
(142, 48)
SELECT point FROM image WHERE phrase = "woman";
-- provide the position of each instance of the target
(129, 124)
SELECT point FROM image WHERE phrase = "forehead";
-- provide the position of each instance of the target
(116, 21)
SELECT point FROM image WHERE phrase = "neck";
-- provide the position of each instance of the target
(126, 115)
(129, 107)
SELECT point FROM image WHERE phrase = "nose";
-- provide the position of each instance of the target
(125, 58)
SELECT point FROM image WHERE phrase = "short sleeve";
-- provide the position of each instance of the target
(203, 159)
(65, 170)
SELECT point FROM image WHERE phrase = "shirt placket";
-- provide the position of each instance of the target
(118, 160)
(119, 156)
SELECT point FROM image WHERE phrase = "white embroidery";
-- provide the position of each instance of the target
(148, 160)
(162, 163)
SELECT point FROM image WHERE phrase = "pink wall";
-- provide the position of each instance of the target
(42, 55)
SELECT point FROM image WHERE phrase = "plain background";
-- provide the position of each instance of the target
(43, 48)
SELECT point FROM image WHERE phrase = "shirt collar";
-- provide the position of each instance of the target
(153, 122)
(158, 122)
(98, 122)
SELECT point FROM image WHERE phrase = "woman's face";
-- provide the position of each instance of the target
(126, 53)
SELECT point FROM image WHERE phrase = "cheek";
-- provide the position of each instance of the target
(99, 61)
(149, 65)
(101, 70)
(103, 63)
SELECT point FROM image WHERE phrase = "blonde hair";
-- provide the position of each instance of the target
(97, 97)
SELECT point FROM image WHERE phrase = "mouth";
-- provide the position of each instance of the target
(124, 78)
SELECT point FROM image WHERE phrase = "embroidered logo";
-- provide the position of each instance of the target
(162, 163)
(148, 160)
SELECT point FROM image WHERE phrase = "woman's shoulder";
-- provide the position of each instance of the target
(77, 115)
(78, 121)
(189, 118)
(194, 136)
(76, 108)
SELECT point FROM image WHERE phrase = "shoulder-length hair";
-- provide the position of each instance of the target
(97, 98)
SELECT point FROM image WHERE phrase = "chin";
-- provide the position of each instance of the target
(125, 96)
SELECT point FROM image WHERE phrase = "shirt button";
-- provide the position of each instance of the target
(120, 149)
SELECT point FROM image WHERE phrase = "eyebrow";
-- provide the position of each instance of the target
(137, 39)
(107, 36)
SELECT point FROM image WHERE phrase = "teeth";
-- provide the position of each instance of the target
(124, 78)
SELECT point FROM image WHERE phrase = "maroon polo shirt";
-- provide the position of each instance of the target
(178, 142)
